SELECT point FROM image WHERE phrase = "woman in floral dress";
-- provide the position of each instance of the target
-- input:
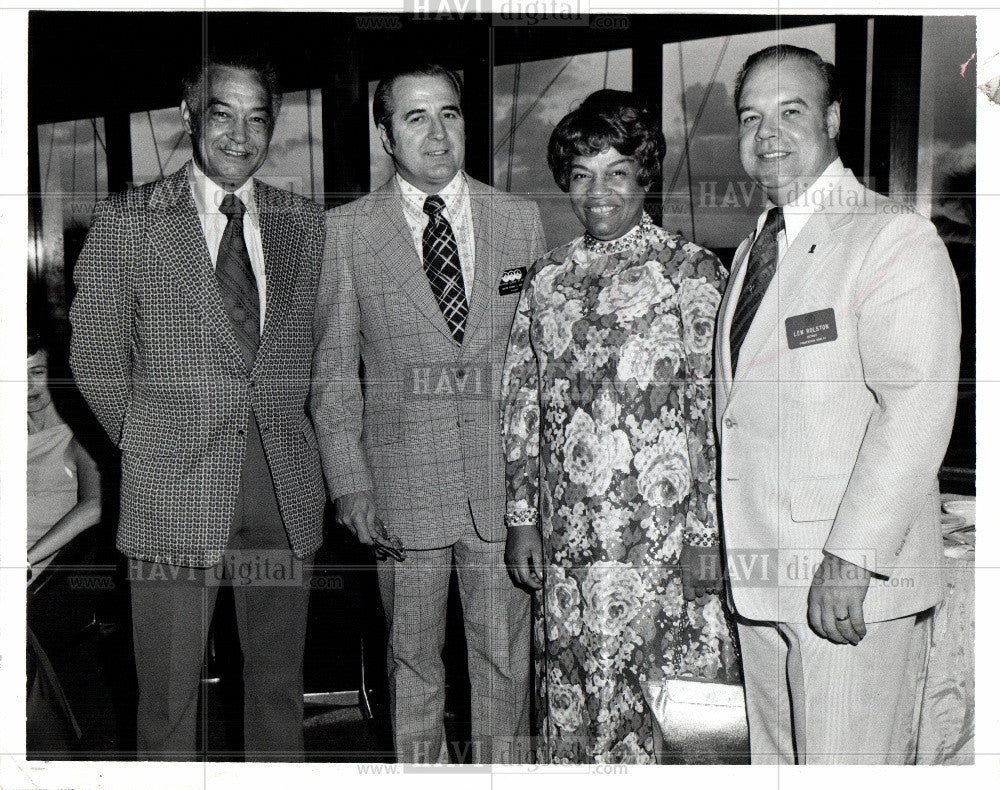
(607, 422)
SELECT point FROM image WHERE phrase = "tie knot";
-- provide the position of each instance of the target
(232, 206)
(433, 206)
(775, 220)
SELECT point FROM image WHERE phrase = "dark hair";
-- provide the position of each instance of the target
(35, 344)
(608, 119)
(382, 102)
(780, 52)
(266, 74)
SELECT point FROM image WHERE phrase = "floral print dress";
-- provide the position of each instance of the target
(607, 420)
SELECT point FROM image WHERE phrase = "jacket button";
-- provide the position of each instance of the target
(729, 423)
(460, 374)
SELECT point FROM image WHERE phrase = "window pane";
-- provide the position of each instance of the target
(546, 91)
(294, 160)
(946, 186)
(73, 177)
(726, 203)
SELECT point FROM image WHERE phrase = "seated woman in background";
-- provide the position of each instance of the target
(607, 425)
(64, 499)
(64, 486)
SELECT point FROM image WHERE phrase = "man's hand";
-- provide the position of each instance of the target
(523, 555)
(701, 572)
(357, 512)
(836, 600)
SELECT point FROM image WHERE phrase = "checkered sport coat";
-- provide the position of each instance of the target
(423, 432)
(156, 358)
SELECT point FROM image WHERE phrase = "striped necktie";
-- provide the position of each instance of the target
(760, 269)
(235, 276)
(444, 271)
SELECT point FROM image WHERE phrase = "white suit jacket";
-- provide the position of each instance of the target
(833, 426)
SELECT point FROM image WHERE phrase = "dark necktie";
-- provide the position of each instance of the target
(443, 269)
(760, 270)
(237, 283)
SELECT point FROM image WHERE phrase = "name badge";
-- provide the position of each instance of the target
(512, 280)
(809, 329)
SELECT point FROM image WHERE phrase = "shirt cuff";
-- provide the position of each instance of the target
(524, 517)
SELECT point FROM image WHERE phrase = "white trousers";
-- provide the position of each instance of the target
(810, 701)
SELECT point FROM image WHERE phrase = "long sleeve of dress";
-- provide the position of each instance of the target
(700, 296)
(519, 417)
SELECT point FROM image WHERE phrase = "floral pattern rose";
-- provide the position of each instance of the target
(655, 356)
(612, 591)
(556, 324)
(632, 291)
(664, 470)
(592, 455)
(562, 605)
(699, 306)
(566, 706)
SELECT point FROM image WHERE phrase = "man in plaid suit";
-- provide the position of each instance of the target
(420, 281)
(192, 343)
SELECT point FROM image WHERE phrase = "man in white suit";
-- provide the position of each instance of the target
(420, 280)
(837, 356)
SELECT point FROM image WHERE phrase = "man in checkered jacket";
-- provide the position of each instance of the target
(420, 280)
(192, 343)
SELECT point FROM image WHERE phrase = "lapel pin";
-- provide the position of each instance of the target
(812, 249)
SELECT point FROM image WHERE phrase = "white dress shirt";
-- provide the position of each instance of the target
(797, 213)
(208, 196)
(458, 212)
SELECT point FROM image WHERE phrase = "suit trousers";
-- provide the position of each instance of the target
(172, 609)
(497, 631)
(810, 701)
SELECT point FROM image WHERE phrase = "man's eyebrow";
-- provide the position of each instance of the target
(796, 100)
(219, 102)
(453, 108)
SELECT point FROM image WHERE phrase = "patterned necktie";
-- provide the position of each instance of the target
(760, 270)
(443, 269)
(235, 276)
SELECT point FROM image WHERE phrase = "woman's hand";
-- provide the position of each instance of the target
(523, 555)
(701, 572)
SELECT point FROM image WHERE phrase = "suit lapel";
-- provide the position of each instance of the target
(178, 238)
(723, 353)
(281, 239)
(389, 237)
(487, 230)
(803, 260)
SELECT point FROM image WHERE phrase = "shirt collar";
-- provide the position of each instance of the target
(208, 195)
(453, 194)
(797, 213)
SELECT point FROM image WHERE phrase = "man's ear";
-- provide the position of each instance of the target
(833, 120)
(187, 118)
(386, 136)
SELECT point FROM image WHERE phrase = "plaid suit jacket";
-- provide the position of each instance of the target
(422, 431)
(155, 356)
